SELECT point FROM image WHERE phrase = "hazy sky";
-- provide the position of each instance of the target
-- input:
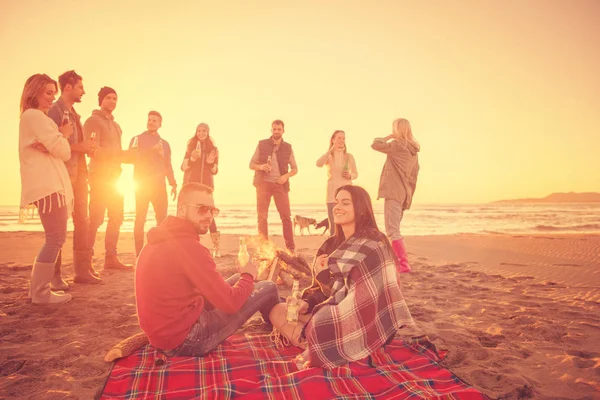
(504, 96)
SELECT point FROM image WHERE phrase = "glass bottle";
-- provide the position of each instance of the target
(243, 255)
(294, 305)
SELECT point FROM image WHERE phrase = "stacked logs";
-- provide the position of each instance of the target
(286, 267)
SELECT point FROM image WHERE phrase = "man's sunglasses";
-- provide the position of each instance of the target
(202, 209)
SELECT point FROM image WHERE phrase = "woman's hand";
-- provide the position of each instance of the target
(212, 156)
(302, 305)
(320, 263)
(195, 155)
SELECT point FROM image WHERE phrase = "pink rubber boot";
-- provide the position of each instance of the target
(400, 250)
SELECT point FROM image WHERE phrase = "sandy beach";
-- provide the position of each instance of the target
(519, 315)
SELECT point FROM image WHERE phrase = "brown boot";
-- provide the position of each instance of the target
(57, 282)
(111, 261)
(82, 263)
(92, 269)
(216, 239)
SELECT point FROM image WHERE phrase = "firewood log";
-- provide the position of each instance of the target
(286, 278)
(297, 263)
(274, 270)
(126, 347)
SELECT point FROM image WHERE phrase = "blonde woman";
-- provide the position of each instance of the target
(398, 181)
(341, 170)
(43, 149)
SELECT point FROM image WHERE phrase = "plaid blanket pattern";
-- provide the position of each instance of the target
(365, 308)
(249, 367)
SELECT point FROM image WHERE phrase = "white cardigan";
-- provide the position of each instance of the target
(43, 173)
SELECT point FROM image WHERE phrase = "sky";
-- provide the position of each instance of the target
(504, 96)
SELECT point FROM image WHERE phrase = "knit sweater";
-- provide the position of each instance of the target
(43, 172)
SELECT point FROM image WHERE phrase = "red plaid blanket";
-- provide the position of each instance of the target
(249, 367)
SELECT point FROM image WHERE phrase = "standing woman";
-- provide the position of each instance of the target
(43, 149)
(398, 181)
(200, 164)
(341, 170)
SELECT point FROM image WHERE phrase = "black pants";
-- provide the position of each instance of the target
(144, 195)
(104, 197)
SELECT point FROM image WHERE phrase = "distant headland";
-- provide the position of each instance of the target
(570, 197)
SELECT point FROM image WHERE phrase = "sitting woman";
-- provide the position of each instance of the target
(354, 305)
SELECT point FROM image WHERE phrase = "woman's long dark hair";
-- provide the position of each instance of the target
(364, 217)
(208, 143)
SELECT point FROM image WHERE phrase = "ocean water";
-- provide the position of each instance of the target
(420, 220)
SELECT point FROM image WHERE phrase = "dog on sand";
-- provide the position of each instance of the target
(303, 223)
(323, 224)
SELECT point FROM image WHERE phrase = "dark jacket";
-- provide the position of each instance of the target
(76, 166)
(201, 171)
(265, 149)
(150, 167)
(106, 160)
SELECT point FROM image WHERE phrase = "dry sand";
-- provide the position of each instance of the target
(519, 315)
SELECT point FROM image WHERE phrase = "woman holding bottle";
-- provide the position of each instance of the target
(43, 150)
(200, 164)
(341, 170)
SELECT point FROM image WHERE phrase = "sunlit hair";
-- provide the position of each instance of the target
(403, 132)
(189, 188)
(208, 143)
(278, 122)
(155, 113)
(333, 138)
(68, 78)
(34, 85)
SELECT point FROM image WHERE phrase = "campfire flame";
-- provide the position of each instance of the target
(265, 252)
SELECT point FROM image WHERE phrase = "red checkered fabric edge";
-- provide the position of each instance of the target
(250, 367)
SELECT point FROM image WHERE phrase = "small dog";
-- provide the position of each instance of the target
(303, 222)
(323, 224)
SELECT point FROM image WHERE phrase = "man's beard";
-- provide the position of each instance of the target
(200, 229)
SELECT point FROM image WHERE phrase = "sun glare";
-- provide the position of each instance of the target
(126, 185)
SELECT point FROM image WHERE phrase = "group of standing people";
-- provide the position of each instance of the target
(56, 177)
(274, 163)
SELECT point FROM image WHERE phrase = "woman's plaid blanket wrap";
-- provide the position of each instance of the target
(365, 309)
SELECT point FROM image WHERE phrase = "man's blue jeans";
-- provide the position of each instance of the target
(214, 326)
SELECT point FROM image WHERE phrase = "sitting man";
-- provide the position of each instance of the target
(184, 305)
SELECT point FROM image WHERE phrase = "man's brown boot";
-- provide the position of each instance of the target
(111, 261)
(82, 263)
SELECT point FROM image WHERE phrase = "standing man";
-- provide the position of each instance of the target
(105, 171)
(273, 163)
(152, 165)
(71, 90)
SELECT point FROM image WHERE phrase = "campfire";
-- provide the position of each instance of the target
(276, 263)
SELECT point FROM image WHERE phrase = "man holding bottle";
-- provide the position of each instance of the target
(105, 171)
(273, 163)
(62, 111)
(152, 164)
(184, 305)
